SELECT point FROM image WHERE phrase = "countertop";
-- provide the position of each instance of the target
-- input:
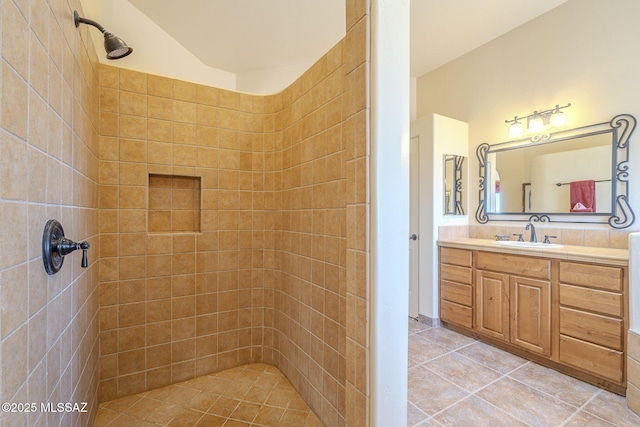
(619, 257)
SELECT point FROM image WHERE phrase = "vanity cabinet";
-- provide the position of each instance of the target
(456, 287)
(569, 315)
(514, 300)
(591, 316)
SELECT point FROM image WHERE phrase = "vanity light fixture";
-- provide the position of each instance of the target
(538, 121)
(115, 47)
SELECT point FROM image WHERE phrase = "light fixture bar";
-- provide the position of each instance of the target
(537, 121)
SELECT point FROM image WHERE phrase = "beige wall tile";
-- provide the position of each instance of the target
(14, 115)
(133, 81)
(160, 86)
(211, 285)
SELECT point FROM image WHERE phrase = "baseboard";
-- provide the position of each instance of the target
(429, 321)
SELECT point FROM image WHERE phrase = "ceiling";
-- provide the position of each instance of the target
(243, 36)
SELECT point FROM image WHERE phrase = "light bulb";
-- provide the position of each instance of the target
(516, 130)
(557, 118)
(536, 124)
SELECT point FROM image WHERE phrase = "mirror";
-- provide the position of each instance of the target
(453, 187)
(577, 175)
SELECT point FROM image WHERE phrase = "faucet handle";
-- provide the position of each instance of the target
(520, 239)
(546, 238)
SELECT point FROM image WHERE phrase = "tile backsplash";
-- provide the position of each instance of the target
(601, 237)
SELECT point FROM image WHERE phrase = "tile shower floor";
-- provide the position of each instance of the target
(250, 395)
(455, 380)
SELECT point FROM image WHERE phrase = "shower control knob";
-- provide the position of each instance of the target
(55, 246)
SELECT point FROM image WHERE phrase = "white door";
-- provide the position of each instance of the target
(414, 227)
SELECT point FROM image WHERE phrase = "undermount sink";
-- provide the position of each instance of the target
(530, 245)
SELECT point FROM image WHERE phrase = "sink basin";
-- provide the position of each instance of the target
(529, 245)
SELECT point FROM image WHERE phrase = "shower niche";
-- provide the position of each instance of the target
(174, 204)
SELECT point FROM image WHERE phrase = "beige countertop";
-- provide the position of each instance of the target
(590, 254)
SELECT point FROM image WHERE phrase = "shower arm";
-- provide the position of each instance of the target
(78, 20)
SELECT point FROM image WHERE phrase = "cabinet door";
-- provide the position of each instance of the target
(492, 302)
(530, 314)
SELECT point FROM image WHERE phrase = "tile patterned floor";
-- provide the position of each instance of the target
(250, 395)
(457, 381)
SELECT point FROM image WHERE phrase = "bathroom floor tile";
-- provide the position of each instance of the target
(524, 392)
(612, 408)
(492, 357)
(415, 326)
(414, 415)
(560, 386)
(431, 393)
(251, 395)
(585, 419)
(422, 350)
(462, 371)
(526, 403)
(476, 412)
(446, 338)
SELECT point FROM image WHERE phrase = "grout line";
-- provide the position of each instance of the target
(582, 409)
(550, 395)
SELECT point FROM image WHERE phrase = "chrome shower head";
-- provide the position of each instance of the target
(115, 47)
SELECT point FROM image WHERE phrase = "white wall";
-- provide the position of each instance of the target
(583, 52)
(389, 91)
(438, 136)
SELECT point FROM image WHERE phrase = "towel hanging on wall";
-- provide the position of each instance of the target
(583, 196)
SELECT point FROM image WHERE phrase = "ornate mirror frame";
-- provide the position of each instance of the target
(621, 216)
(457, 162)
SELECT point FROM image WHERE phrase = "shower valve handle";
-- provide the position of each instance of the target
(55, 246)
(65, 246)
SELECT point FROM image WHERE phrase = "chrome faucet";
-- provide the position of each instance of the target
(533, 238)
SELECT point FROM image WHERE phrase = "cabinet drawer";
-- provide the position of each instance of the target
(590, 327)
(592, 276)
(461, 257)
(513, 264)
(456, 292)
(603, 302)
(600, 361)
(455, 273)
(456, 313)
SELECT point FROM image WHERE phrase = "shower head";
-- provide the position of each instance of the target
(115, 47)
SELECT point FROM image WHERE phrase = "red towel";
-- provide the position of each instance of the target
(583, 192)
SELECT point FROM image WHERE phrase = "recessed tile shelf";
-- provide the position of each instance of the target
(174, 204)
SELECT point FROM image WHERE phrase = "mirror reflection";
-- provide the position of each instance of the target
(570, 176)
(453, 187)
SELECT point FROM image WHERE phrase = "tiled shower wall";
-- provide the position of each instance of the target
(321, 277)
(279, 270)
(48, 169)
(179, 304)
(310, 285)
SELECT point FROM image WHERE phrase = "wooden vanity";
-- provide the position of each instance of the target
(565, 308)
